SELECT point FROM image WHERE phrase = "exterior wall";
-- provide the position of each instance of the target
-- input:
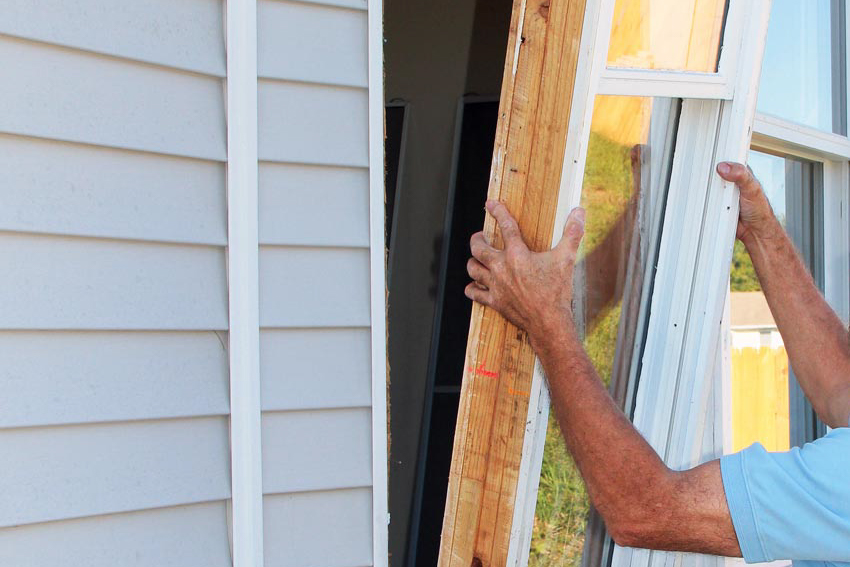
(113, 304)
(315, 346)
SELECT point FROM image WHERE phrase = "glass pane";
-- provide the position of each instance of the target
(624, 191)
(667, 34)
(796, 75)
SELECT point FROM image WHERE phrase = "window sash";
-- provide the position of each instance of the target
(728, 121)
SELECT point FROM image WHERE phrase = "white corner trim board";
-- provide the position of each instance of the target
(378, 309)
(243, 280)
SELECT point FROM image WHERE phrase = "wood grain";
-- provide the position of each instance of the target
(525, 174)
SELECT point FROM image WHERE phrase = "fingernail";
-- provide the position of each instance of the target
(580, 216)
(723, 168)
(490, 204)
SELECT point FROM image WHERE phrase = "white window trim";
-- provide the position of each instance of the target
(773, 133)
(243, 285)
(378, 298)
(637, 82)
(740, 68)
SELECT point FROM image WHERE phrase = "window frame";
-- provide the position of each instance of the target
(727, 111)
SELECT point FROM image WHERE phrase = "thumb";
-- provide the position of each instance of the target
(573, 233)
(740, 175)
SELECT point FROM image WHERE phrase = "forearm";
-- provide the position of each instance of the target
(617, 464)
(817, 342)
(643, 502)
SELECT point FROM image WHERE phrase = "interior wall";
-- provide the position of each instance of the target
(436, 51)
(426, 54)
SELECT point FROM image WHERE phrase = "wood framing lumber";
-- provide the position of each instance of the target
(534, 111)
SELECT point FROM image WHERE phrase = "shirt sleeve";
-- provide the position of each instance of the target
(793, 505)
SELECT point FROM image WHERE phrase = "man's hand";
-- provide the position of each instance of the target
(817, 342)
(756, 219)
(533, 290)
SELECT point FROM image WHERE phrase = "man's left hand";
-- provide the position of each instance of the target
(533, 290)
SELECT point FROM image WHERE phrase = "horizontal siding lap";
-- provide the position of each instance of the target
(308, 205)
(321, 44)
(86, 470)
(316, 450)
(353, 4)
(314, 287)
(313, 124)
(319, 529)
(183, 536)
(61, 188)
(188, 34)
(57, 93)
(297, 372)
(76, 283)
(66, 377)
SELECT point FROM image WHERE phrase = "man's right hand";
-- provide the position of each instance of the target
(816, 340)
(756, 217)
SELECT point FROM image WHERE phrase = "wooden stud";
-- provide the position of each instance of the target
(537, 87)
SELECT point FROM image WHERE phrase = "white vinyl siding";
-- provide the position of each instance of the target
(313, 529)
(87, 190)
(313, 124)
(75, 96)
(183, 35)
(326, 32)
(114, 301)
(317, 450)
(100, 376)
(306, 287)
(298, 374)
(289, 195)
(56, 282)
(315, 345)
(113, 304)
(164, 537)
(86, 470)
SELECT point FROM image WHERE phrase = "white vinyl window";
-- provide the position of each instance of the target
(667, 222)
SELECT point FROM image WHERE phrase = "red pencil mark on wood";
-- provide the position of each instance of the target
(513, 392)
(481, 371)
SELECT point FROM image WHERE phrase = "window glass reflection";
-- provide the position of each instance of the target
(666, 34)
(624, 191)
(796, 74)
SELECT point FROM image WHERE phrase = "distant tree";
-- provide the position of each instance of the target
(743, 275)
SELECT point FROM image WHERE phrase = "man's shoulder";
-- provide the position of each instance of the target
(830, 452)
(792, 504)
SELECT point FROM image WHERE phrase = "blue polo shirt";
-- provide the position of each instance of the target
(793, 505)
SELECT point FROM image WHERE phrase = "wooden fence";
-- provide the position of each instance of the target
(760, 398)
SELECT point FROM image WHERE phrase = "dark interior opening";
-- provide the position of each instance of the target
(444, 65)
